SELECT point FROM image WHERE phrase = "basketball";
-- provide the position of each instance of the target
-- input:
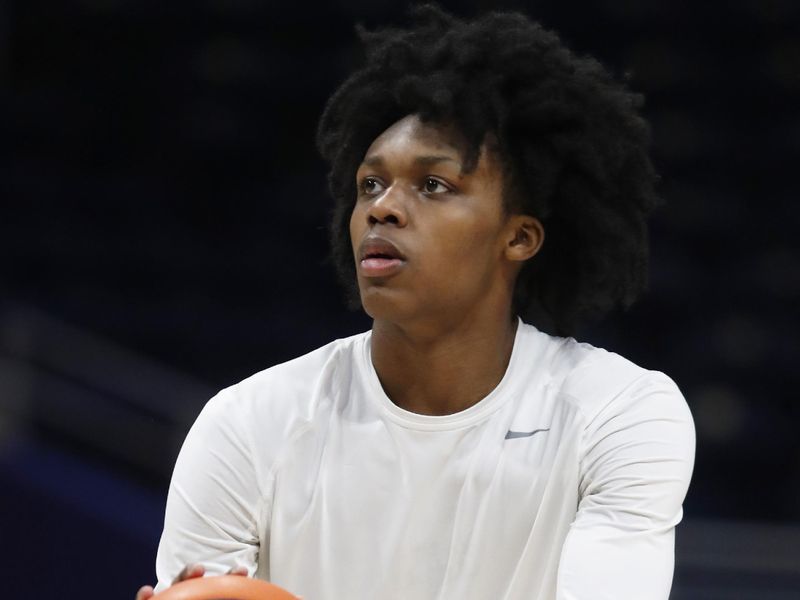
(227, 587)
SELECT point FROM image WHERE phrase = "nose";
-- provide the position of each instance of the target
(388, 208)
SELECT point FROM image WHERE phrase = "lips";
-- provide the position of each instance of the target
(378, 257)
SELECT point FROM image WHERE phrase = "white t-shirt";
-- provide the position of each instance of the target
(565, 482)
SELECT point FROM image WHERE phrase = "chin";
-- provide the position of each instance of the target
(383, 304)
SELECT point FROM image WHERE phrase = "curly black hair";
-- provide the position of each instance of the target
(574, 147)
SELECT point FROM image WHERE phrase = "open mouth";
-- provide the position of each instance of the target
(379, 258)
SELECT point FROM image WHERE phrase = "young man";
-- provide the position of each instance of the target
(482, 173)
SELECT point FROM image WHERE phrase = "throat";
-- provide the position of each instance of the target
(444, 377)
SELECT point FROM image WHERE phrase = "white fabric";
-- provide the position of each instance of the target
(308, 475)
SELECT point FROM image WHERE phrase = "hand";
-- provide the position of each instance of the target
(189, 572)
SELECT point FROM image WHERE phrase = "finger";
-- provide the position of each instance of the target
(238, 571)
(145, 592)
(189, 572)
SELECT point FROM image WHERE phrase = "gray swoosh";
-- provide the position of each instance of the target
(520, 434)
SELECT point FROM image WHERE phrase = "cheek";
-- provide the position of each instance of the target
(356, 228)
(470, 234)
(466, 247)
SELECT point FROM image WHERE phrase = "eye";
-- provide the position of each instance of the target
(370, 186)
(434, 186)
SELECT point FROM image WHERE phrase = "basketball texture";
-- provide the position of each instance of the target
(224, 587)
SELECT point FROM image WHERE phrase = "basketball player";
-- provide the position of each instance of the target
(486, 179)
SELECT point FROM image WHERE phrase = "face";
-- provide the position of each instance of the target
(430, 241)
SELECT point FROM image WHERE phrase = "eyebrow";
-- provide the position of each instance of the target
(377, 160)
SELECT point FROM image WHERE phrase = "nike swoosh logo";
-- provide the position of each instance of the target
(520, 434)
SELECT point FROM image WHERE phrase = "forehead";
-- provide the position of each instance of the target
(411, 134)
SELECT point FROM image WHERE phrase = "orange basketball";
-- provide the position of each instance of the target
(227, 587)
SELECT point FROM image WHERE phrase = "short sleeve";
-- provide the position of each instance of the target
(215, 503)
(636, 463)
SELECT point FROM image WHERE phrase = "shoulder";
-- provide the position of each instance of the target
(633, 426)
(294, 383)
(597, 382)
(304, 372)
(272, 405)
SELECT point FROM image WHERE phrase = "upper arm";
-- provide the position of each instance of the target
(214, 505)
(637, 459)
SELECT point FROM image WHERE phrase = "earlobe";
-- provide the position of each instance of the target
(527, 239)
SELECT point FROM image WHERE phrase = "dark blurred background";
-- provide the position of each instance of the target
(162, 235)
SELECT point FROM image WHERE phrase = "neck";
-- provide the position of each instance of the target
(445, 368)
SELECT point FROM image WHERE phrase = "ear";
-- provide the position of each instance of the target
(525, 237)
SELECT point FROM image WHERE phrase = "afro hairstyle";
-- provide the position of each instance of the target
(574, 147)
